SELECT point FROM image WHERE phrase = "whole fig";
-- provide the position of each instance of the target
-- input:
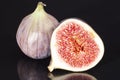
(34, 33)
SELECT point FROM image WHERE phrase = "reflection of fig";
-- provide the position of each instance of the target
(75, 46)
(34, 33)
(73, 76)
(31, 70)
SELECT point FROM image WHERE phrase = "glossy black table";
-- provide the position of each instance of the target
(27, 69)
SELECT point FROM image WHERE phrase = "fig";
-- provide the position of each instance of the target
(75, 46)
(73, 76)
(34, 33)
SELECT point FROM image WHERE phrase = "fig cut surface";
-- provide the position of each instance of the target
(75, 46)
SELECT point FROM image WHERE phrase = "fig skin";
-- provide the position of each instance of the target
(34, 33)
(67, 63)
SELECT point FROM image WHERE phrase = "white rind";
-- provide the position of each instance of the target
(58, 63)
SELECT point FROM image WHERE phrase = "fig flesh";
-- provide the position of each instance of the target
(75, 46)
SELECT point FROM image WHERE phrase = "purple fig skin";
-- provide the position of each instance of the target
(34, 34)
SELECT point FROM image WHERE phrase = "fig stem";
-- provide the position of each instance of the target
(41, 3)
(40, 6)
(51, 66)
(39, 11)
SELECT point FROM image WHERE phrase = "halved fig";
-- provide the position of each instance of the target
(75, 46)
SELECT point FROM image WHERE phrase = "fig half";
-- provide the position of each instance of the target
(75, 46)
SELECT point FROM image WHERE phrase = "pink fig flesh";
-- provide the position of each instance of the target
(76, 46)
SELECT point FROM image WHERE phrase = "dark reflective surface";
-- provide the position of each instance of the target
(72, 76)
(28, 69)
(31, 70)
(102, 15)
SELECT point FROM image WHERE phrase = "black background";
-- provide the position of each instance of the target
(102, 15)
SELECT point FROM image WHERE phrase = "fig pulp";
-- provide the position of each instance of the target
(75, 46)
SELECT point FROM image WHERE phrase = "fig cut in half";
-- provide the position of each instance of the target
(75, 46)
